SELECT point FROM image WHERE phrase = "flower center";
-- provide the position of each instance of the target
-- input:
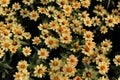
(69, 69)
(88, 74)
(40, 71)
(118, 60)
(55, 63)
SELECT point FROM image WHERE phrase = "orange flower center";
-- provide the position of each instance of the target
(51, 42)
(66, 38)
(44, 26)
(76, 45)
(87, 49)
(69, 69)
(88, 74)
(33, 15)
(40, 71)
(56, 78)
(19, 32)
(102, 67)
(100, 9)
(111, 20)
(101, 59)
(55, 63)
(4, 1)
(6, 45)
(105, 44)
(22, 66)
(42, 53)
(27, 50)
(76, 25)
(118, 60)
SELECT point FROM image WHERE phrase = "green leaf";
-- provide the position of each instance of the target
(3, 75)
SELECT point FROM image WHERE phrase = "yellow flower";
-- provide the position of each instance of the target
(52, 42)
(39, 70)
(26, 51)
(22, 65)
(116, 60)
(34, 15)
(103, 68)
(4, 3)
(43, 53)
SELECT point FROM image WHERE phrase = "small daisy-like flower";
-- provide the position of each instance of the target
(90, 43)
(24, 12)
(110, 21)
(10, 20)
(99, 10)
(25, 75)
(7, 33)
(21, 75)
(85, 3)
(52, 42)
(103, 29)
(17, 75)
(69, 70)
(76, 26)
(43, 53)
(41, 10)
(55, 76)
(39, 71)
(55, 64)
(103, 68)
(1, 53)
(72, 60)
(22, 65)
(6, 44)
(96, 21)
(16, 6)
(88, 22)
(89, 74)
(50, 11)
(34, 15)
(4, 3)
(77, 78)
(67, 9)
(83, 15)
(106, 45)
(66, 31)
(8, 11)
(28, 2)
(88, 35)
(116, 60)
(66, 38)
(53, 25)
(76, 5)
(87, 50)
(27, 35)
(36, 40)
(75, 47)
(102, 59)
(61, 2)
(13, 49)
(86, 60)
(26, 51)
